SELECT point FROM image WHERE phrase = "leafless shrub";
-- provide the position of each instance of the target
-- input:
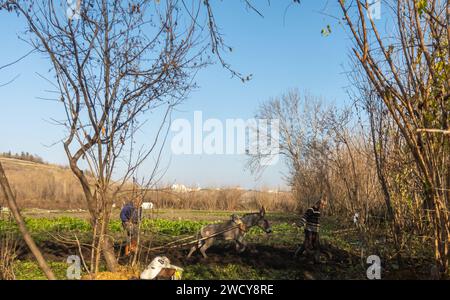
(8, 246)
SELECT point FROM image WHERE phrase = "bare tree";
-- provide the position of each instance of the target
(303, 142)
(114, 62)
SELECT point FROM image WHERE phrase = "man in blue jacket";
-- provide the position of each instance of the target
(130, 217)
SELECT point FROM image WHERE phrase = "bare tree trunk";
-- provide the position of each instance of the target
(109, 255)
(106, 244)
(22, 227)
(379, 164)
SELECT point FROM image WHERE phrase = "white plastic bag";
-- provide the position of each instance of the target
(155, 267)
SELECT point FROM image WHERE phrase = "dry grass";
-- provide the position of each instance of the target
(8, 248)
(124, 273)
(47, 186)
(43, 185)
(229, 199)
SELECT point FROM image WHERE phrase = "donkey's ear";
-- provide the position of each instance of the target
(262, 211)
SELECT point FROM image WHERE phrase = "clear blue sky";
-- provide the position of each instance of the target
(283, 50)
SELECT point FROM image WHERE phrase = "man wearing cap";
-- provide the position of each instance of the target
(130, 216)
(311, 221)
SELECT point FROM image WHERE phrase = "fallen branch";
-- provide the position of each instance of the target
(81, 255)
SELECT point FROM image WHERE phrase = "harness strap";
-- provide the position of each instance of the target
(241, 225)
(166, 246)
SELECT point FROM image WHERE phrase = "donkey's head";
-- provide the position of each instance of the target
(263, 223)
(258, 219)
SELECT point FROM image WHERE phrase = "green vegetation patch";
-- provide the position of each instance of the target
(29, 270)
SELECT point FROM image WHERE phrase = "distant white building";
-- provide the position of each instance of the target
(179, 188)
(147, 205)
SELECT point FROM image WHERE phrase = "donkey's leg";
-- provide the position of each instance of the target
(242, 244)
(196, 246)
(208, 243)
(193, 249)
(203, 251)
(237, 245)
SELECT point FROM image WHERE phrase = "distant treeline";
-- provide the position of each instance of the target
(24, 156)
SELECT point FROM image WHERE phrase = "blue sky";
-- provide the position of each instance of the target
(283, 50)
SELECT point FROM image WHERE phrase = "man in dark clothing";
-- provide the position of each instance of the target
(311, 221)
(131, 216)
